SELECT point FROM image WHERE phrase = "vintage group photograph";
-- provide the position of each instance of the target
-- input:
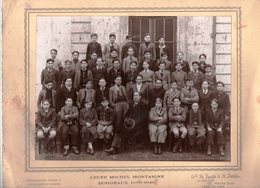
(133, 88)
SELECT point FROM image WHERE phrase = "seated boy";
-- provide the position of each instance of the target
(196, 130)
(45, 125)
(69, 127)
(88, 121)
(177, 118)
(105, 127)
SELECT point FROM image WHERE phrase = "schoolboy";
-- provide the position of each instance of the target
(111, 45)
(68, 126)
(86, 94)
(196, 75)
(127, 60)
(170, 95)
(88, 120)
(105, 118)
(179, 76)
(75, 61)
(98, 72)
(82, 75)
(149, 60)
(189, 94)
(46, 124)
(49, 73)
(129, 43)
(57, 63)
(164, 75)
(67, 72)
(93, 46)
(148, 75)
(113, 72)
(47, 93)
(102, 92)
(185, 64)
(130, 76)
(147, 45)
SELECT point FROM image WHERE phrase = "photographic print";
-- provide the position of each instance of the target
(133, 88)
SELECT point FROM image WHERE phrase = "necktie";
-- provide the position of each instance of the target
(205, 92)
(162, 75)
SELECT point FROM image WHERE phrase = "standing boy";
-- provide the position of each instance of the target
(179, 76)
(127, 60)
(109, 46)
(75, 61)
(98, 72)
(129, 43)
(164, 75)
(147, 45)
(49, 73)
(47, 93)
(196, 75)
(93, 46)
(57, 63)
(82, 75)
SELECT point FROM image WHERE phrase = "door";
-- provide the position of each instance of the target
(158, 27)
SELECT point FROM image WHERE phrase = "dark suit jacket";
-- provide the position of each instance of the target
(112, 74)
(144, 92)
(44, 119)
(76, 84)
(101, 95)
(185, 66)
(214, 120)
(42, 97)
(150, 47)
(139, 113)
(53, 75)
(165, 50)
(93, 47)
(152, 65)
(125, 49)
(223, 102)
(205, 99)
(63, 94)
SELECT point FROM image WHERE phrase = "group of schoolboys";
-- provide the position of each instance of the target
(76, 97)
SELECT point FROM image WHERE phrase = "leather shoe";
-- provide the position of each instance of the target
(111, 151)
(66, 152)
(209, 153)
(91, 151)
(76, 151)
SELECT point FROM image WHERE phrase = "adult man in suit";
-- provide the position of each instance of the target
(134, 123)
(47, 93)
(111, 45)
